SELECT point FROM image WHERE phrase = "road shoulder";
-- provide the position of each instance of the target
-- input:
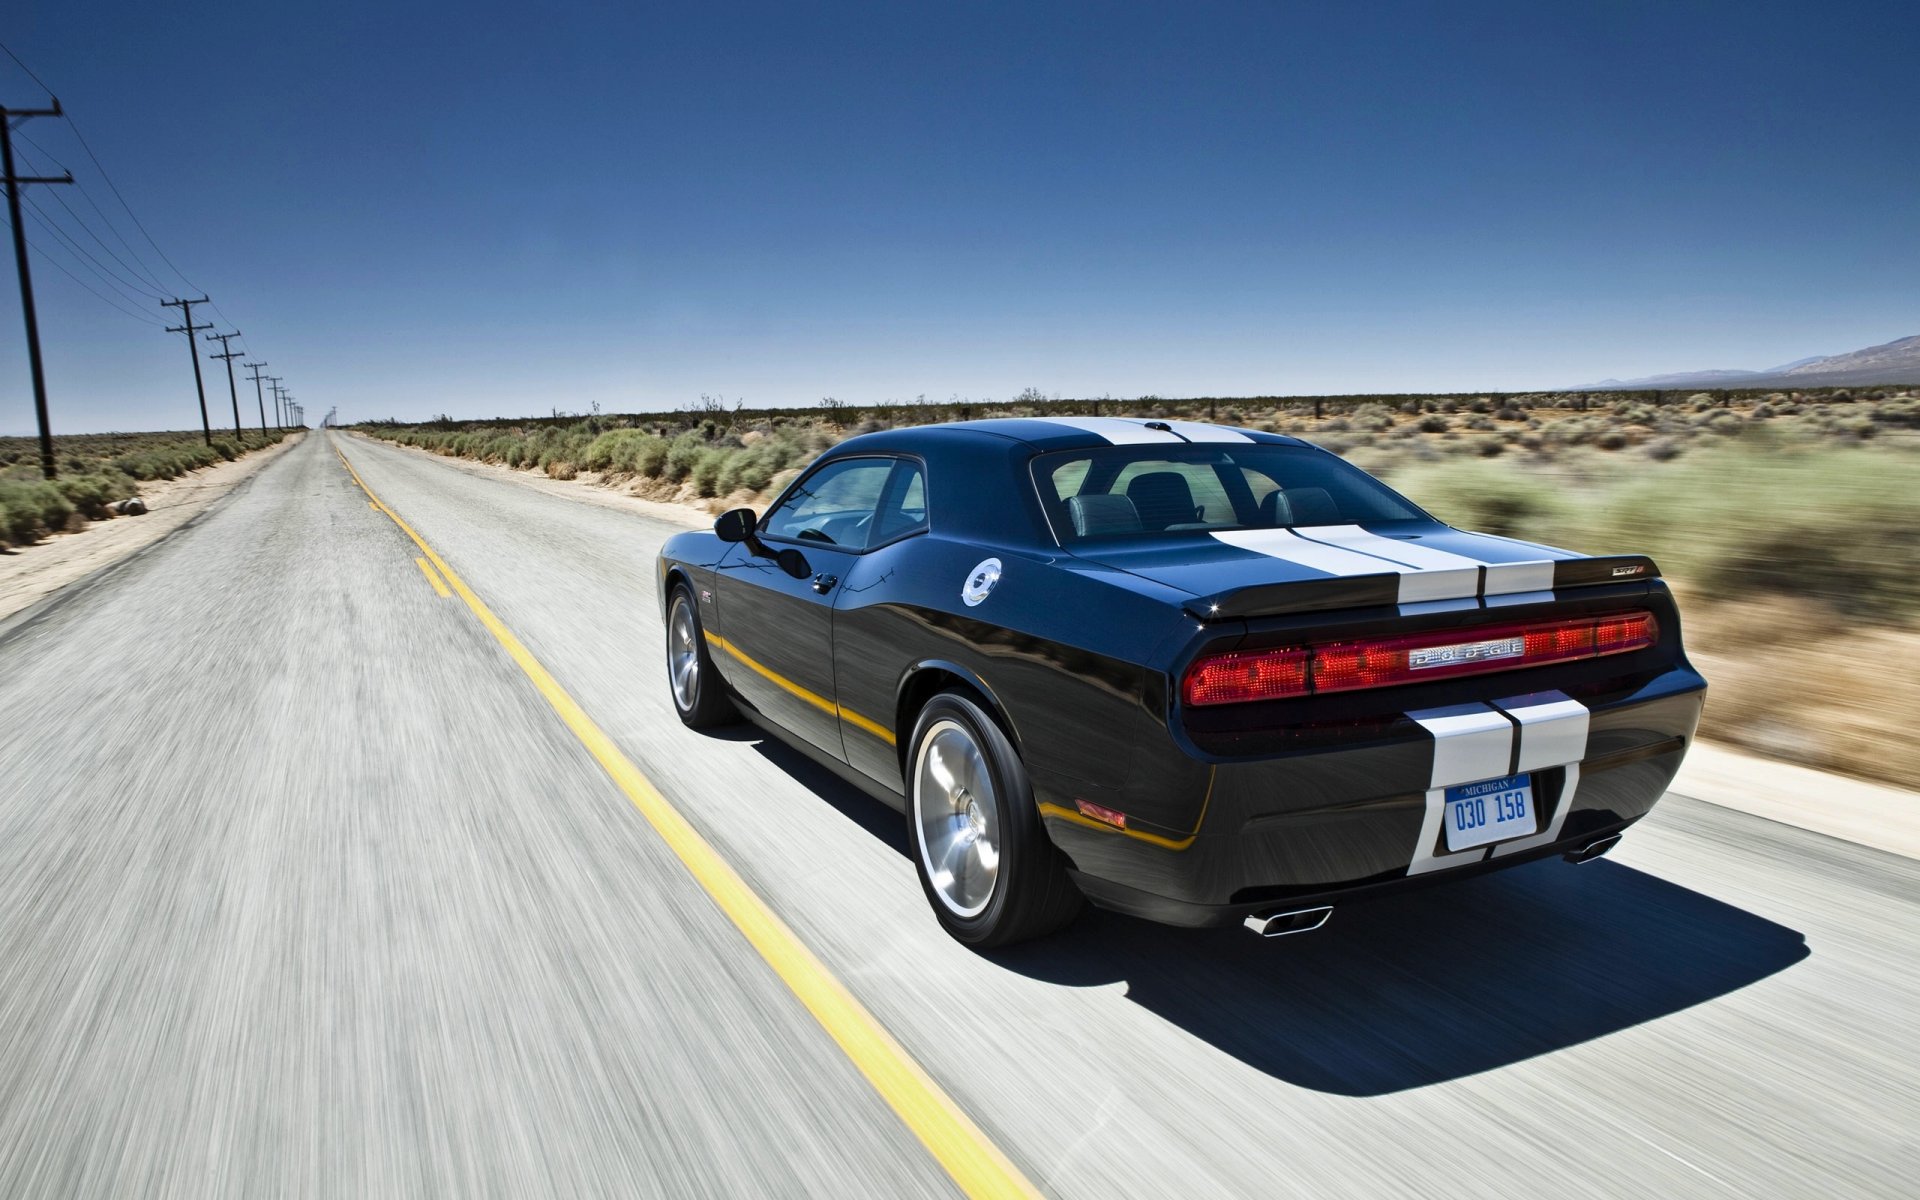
(585, 490)
(1867, 814)
(29, 574)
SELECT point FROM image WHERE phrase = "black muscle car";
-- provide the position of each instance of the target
(1191, 673)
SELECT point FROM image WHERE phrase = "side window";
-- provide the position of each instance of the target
(904, 508)
(833, 506)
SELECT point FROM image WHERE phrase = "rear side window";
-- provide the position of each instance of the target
(1158, 491)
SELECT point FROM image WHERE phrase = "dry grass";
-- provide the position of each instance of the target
(1791, 681)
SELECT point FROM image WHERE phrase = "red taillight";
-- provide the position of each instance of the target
(1255, 675)
(1247, 675)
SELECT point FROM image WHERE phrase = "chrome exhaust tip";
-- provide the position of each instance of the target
(1282, 923)
(1592, 850)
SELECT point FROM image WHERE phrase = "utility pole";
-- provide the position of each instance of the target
(187, 327)
(273, 385)
(258, 398)
(229, 354)
(7, 117)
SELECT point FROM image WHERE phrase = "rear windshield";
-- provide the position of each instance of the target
(1157, 490)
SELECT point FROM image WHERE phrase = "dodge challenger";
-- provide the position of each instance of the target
(1196, 674)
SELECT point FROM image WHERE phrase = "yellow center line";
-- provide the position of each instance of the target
(426, 568)
(974, 1162)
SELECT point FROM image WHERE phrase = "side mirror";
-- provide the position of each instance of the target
(736, 525)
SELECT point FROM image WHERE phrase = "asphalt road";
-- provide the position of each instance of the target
(306, 890)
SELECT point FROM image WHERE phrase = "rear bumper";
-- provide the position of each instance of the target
(1339, 823)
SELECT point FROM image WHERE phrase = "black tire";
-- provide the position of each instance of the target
(988, 800)
(699, 696)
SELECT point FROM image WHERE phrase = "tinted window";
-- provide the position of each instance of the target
(1141, 491)
(903, 509)
(834, 505)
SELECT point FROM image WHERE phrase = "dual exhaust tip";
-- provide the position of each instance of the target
(1592, 850)
(1282, 922)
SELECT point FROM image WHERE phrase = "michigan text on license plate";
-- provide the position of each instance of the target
(1490, 811)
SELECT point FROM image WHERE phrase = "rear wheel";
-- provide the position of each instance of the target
(984, 859)
(698, 695)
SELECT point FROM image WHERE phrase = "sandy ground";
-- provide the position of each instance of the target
(28, 573)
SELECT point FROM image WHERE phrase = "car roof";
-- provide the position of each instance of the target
(1072, 433)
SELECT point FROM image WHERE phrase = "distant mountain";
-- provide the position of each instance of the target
(1894, 362)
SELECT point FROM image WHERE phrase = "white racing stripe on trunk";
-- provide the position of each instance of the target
(1505, 579)
(1115, 430)
(1281, 544)
(1553, 728)
(1195, 431)
(1424, 558)
(1471, 742)
(1417, 584)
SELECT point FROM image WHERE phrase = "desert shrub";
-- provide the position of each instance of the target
(684, 454)
(614, 449)
(706, 469)
(1484, 497)
(90, 493)
(30, 509)
(1374, 418)
(1611, 439)
(1490, 448)
(1479, 423)
(1830, 524)
(1663, 449)
(1433, 423)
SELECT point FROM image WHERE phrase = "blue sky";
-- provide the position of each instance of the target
(497, 209)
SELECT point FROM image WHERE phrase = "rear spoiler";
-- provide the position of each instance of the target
(1373, 591)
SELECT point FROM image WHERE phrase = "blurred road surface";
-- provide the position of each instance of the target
(306, 891)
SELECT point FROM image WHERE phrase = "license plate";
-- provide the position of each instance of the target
(1490, 811)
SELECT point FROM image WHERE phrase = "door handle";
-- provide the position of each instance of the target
(824, 583)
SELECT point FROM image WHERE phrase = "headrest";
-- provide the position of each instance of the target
(1312, 506)
(1099, 514)
(1275, 512)
(1162, 498)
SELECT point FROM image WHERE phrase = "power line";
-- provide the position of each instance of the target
(80, 137)
(154, 291)
(146, 271)
(106, 274)
(55, 263)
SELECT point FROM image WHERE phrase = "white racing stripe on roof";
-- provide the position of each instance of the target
(1195, 431)
(1115, 430)
(1417, 584)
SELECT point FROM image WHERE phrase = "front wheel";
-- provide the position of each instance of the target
(698, 695)
(984, 859)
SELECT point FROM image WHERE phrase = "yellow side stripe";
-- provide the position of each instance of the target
(818, 701)
(426, 568)
(973, 1162)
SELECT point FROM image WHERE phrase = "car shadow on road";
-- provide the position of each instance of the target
(1401, 992)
